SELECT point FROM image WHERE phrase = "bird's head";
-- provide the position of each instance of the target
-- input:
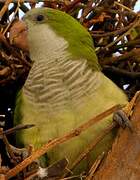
(51, 29)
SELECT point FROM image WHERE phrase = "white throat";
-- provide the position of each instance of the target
(45, 43)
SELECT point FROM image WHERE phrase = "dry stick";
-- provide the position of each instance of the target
(72, 4)
(31, 1)
(4, 8)
(31, 176)
(136, 23)
(16, 128)
(129, 106)
(13, 18)
(131, 43)
(112, 33)
(122, 72)
(3, 177)
(110, 61)
(14, 171)
(74, 177)
(94, 167)
(9, 47)
(124, 7)
(9, 149)
(3, 169)
(5, 71)
(92, 145)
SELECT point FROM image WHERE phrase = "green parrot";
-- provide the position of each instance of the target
(65, 87)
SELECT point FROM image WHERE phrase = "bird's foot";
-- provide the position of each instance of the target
(121, 118)
(122, 115)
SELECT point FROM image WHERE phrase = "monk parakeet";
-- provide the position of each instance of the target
(65, 86)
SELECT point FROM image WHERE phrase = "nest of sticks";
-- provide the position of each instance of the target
(114, 27)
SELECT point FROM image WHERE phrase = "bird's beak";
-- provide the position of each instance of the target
(18, 35)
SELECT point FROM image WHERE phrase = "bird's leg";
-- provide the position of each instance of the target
(122, 116)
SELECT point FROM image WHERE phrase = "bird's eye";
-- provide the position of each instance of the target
(39, 17)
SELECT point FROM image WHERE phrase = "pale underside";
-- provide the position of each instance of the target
(60, 94)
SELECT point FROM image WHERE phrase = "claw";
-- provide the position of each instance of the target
(121, 118)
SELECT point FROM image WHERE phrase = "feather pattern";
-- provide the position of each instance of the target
(66, 82)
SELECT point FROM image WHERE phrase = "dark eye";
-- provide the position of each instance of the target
(39, 17)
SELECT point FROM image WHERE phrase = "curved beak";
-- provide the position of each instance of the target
(18, 35)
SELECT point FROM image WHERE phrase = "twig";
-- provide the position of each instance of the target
(66, 137)
(13, 52)
(124, 7)
(136, 23)
(112, 60)
(31, 1)
(94, 167)
(13, 18)
(5, 71)
(128, 108)
(112, 33)
(3, 39)
(92, 145)
(131, 43)
(73, 177)
(71, 5)
(122, 72)
(3, 177)
(16, 128)
(4, 8)
(3, 169)
(9, 149)
(32, 175)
